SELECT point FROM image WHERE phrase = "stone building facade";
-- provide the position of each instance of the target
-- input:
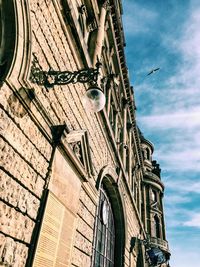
(77, 188)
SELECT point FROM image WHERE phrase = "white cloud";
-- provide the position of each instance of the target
(173, 199)
(188, 118)
(177, 137)
(139, 20)
(176, 215)
(172, 122)
(191, 38)
(187, 159)
(194, 221)
(181, 185)
(187, 77)
(184, 255)
(181, 89)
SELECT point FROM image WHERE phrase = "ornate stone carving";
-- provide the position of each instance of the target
(83, 19)
(155, 206)
(106, 5)
(92, 25)
(79, 143)
(77, 148)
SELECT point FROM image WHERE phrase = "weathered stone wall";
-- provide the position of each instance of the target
(25, 149)
(52, 47)
(23, 165)
(82, 251)
(25, 152)
(132, 229)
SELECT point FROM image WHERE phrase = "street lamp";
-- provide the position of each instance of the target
(94, 99)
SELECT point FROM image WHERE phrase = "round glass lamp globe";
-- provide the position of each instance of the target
(94, 99)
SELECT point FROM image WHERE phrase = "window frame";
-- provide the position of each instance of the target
(106, 257)
(7, 37)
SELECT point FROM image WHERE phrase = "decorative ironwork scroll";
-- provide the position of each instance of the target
(52, 77)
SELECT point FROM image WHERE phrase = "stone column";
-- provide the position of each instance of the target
(125, 105)
(100, 33)
(130, 158)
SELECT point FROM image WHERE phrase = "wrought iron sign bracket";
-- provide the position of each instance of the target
(94, 98)
(53, 77)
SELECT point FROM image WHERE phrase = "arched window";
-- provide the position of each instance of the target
(105, 233)
(156, 226)
(148, 154)
(153, 196)
(143, 154)
(7, 37)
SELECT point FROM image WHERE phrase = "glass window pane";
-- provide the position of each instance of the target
(105, 234)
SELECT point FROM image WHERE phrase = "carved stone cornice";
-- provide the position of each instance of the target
(106, 5)
(92, 25)
(153, 179)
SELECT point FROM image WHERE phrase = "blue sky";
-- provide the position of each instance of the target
(166, 34)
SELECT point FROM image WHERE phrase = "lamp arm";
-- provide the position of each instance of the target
(52, 77)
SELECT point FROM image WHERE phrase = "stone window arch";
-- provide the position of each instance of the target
(7, 37)
(107, 186)
(143, 154)
(148, 154)
(156, 226)
(104, 250)
(153, 195)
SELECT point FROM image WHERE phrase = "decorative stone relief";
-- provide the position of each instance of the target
(92, 25)
(106, 4)
(16, 105)
(87, 22)
(83, 20)
(79, 143)
(77, 148)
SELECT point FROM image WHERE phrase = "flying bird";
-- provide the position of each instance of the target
(152, 71)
